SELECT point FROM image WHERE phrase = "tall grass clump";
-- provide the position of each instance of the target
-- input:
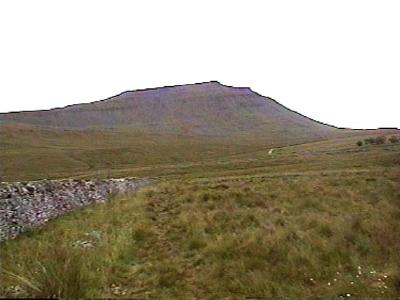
(61, 273)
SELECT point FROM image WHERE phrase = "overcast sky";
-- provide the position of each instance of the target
(334, 61)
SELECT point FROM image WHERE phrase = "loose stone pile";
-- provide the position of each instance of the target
(24, 205)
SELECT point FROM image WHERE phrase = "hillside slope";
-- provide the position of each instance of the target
(210, 109)
(28, 152)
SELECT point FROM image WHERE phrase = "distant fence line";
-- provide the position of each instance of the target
(26, 205)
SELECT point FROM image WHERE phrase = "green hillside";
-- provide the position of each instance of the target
(32, 153)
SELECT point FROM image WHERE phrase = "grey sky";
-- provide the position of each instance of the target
(334, 61)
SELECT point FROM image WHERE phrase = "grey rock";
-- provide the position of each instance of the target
(27, 205)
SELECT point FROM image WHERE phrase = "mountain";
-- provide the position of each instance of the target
(166, 130)
(209, 109)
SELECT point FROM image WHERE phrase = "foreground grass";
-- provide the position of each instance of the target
(77, 256)
(298, 237)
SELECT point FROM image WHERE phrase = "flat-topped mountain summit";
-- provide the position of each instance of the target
(210, 109)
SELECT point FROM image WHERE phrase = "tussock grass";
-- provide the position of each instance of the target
(299, 237)
(57, 261)
(313, 221)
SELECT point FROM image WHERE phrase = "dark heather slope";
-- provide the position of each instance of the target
(210, 109)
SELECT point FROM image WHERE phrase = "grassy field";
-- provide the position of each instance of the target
(313, 221)
(29, 153)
